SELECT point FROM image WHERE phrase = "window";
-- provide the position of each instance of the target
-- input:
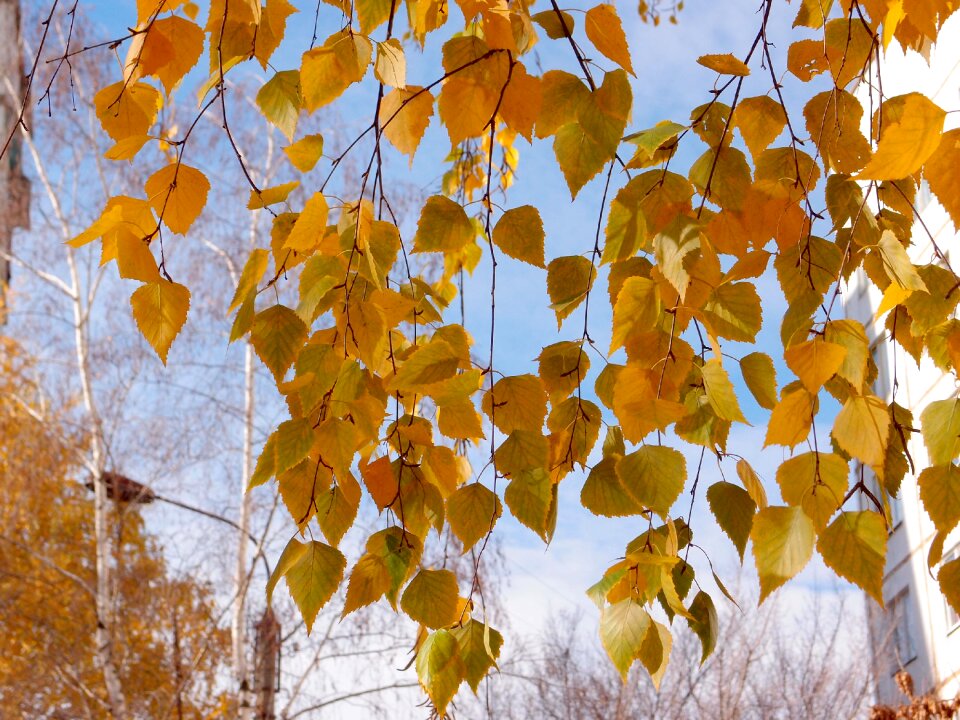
(902, 646)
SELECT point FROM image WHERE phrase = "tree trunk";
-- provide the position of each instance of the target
(14, 188)
(245, 699)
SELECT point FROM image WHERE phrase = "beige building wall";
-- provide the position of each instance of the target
(917, 630)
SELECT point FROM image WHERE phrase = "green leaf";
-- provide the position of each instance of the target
(940, 425)
(782, 545)
(519, 233)
(734, 510)
(160, 309)
(704, 623)
(472, 511)
(443, 227)
(440, 668)
(623, 628)
(314, 577)
(479, 648)
(431, 598)
(940, 493)
(653, 476)
(855, 547)
(277, 336)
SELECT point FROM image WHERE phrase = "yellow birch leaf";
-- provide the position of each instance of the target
(479, 648)
(291, 554)
(655, 652)
(440, 669)
(369, 581)
(894, 295)
(430, 363)
(519, 233)
(603, 28)
(815, 361)
(305, 152)
(855, 547)
(522, 101)
(160, 309)
(168, 49)
(940, 424)
(431, 598)
(280, 101)
(653, 476)
(443, 227)
(177, 193)
(603, 492)
(790, 420)
(555, 24)
(472, 511)
(942, 172)
(862, 427)
(623, 628)
(251, 274)
(134, 259)
(531, 495)
(517, 402)
(734, 510)
(314, 577)
(327, 71)
(390, 65)
(940, 493)
(760, 120)
(720, 393)
(404, 117)
(752, 483)
(271, 29)
(373, 13)
(761, 379)
(562, 368)
(850, 335)
(906, 142)
(569, 279)
(127, 110)
(271, 195)
(310, 225)
(816, 482)
(127, 148)
(897, 263)
(783, 540)
(733, 311)
(637, 310)
(813, 13)
(277, 336)
(724, 64)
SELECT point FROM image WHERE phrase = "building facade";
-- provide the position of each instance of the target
(917, 631)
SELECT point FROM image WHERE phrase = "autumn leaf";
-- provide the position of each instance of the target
(160, 309)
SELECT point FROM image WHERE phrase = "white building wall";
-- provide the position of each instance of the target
(916, 631)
